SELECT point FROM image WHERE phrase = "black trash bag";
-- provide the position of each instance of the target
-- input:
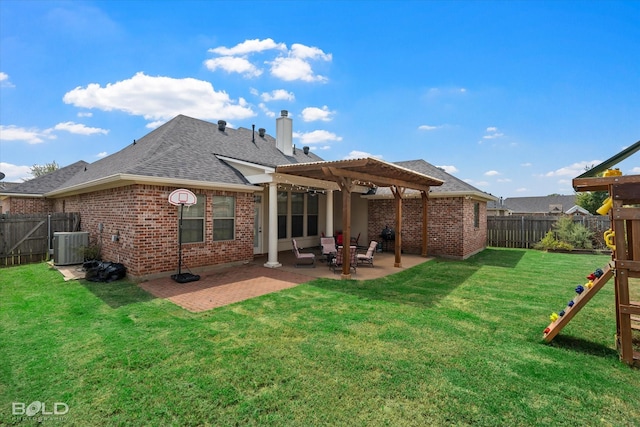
(99, 271)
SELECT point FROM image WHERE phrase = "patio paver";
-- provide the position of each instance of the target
(228, 285)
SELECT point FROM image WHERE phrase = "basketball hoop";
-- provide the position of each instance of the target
(182, 197)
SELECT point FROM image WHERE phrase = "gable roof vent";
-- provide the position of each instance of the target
(261, 132)
(222, 125)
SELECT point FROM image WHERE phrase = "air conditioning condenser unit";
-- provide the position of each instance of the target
(67, 247)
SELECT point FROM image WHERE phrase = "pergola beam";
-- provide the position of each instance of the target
(379, 181)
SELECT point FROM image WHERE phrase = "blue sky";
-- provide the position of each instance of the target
(515, 98)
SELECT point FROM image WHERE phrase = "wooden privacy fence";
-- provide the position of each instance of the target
(526, 231)
(27, 238)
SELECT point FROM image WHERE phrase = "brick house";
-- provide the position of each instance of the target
(123, 200)
(457, 216)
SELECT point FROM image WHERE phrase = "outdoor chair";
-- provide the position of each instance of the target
(368, 257)
(305, 258)
(328, 247)
(355, 240)
(339, 260)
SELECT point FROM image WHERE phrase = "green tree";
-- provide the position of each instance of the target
(39, 170)
(591, 200)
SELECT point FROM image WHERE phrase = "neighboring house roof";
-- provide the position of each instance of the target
(540, 204)
(451, 187)
(577, 210)
(40, 185)
(186, 150)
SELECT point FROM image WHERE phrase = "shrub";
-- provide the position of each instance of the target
(568, 235)
(549, 241)
(577, 235)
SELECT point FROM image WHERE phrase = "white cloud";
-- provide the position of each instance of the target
(492, 133)
(232, 64)
(85, 114)
(15, 173)
(503, 180)
(428, 127)
(266, 110)
(249, 46)
(79, 129)
(316, 137)
(635, 171)
(525, 165)
(155, 124)
(448, 168)
(290, 69)
(361, 155)
(160, 98)
(492, 173)
(308, 52)
(278, 95)
(4, 80)
(521, 190)
(101, 154)
(289, 65)
(30, 136)
(573, 170)
(312, 114)
(297, 65)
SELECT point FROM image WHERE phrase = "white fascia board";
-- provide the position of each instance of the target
(120, 180)
(24, 195)
(262, 178)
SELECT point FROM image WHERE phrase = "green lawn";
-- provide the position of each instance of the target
(443, 343)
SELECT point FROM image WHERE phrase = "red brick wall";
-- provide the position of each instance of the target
(26, 205)
(450, 225)
(147, 226)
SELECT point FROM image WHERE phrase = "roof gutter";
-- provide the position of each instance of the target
(35, 196)
(122, 179)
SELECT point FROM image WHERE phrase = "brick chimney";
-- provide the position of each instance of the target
(284, 133)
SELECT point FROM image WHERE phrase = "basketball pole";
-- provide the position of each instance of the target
(180, 241)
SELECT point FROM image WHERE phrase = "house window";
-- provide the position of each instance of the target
(283, 199)
(312, 215)
(297, 214)
(224, 211)
(476, 215)
(193, 221)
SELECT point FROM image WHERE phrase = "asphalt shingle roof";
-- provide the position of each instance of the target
(186, 148)
(47, 182)
(451, 184)
(540, 204)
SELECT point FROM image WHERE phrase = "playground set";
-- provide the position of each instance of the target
(623, 238)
